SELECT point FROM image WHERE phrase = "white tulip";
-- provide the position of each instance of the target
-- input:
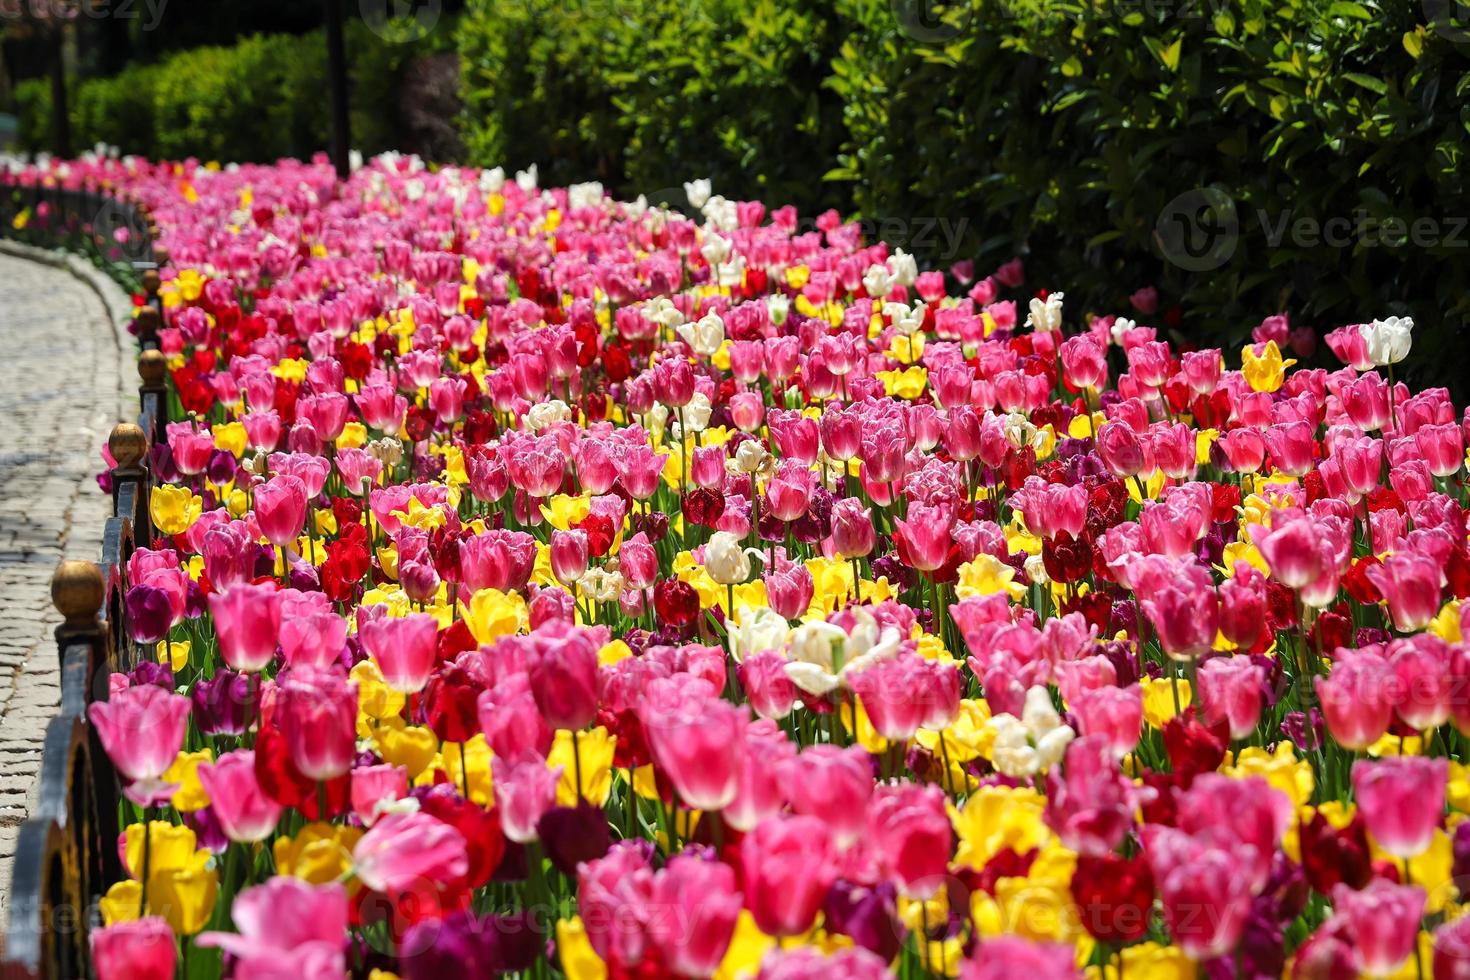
(526, 179)
(1046, 316)
(715, 249)
(756, 630)
(1388, 340)
(698, 192)
(877, 283)
(903, 267)
(706, 335)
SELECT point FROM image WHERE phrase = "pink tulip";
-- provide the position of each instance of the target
(1357, 699)
(403, 850)
(790, 491)
(912, 836)
(376, 786)
(1402, 801)
(246, 814)
(1412, 584)
(280, 509)
(511, 721)
(787, 868)
(1232, 690)
(317, 709)
(1383, 921)
(311, 633)
(833, 784)
(924, 538)
(286, 928)
(404, 648)
(702, 903)
(564, 682)
(524, 790)
(1452, 950)
(1424, 681)
(696, 738)
(142, 949)
(1009, 957)
(852, 529)
(789, 588)
(568, 555)
(1114, 714)
(142, 728)
(247, 620)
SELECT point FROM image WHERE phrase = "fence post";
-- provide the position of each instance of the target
(128, 444)
(78, 591)
(153, 393)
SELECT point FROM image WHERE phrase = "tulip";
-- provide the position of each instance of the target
(787, 868)
(286, 927)
(696, 739)
(1357, 699)
(725, 559)
(376, 787)
(1412, 584)
(318, 715)
(247, 620)
(404, 850)
(568, 555)
(833, 784)
(1005, 957)
(1231, 690)
(142, 729)
(142, 949)
(1452, 950)
(245, 813)
(1383, 921)
(704, 903)
(912, 836)
(1402, 801)
(524, 791)
(924, 539)
(404, 648)
(280, 509)
(564, 683)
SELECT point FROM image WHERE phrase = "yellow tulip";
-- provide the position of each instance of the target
(579, 961)
(995, 818)
(492, 614)
(174, 509)
(320, 853)
(1265, 371)
(231, 437)
(1281, 769)
(175, 654)
(595, 752)
(411, 746)
(1158, 699)
(477, 753)
(190, 795)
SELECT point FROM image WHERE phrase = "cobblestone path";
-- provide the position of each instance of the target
(61, 391)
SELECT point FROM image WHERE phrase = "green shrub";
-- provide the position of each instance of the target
(1067, 131)
(258, 100)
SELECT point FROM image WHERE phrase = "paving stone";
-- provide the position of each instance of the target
(63, 383)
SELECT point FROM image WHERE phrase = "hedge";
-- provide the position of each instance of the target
(258, 100)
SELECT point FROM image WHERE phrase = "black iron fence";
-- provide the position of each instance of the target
(90, 219)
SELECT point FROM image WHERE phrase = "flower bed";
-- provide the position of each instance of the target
(549, 585)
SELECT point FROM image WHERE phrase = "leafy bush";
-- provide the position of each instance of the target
(644, 95)
(1067, 132)
(260, 99)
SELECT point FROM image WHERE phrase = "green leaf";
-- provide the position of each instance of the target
(1367, 81)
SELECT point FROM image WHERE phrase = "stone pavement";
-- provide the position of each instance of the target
(64, 382)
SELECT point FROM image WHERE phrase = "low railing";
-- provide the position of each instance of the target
(66, 851)
(114, 232)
